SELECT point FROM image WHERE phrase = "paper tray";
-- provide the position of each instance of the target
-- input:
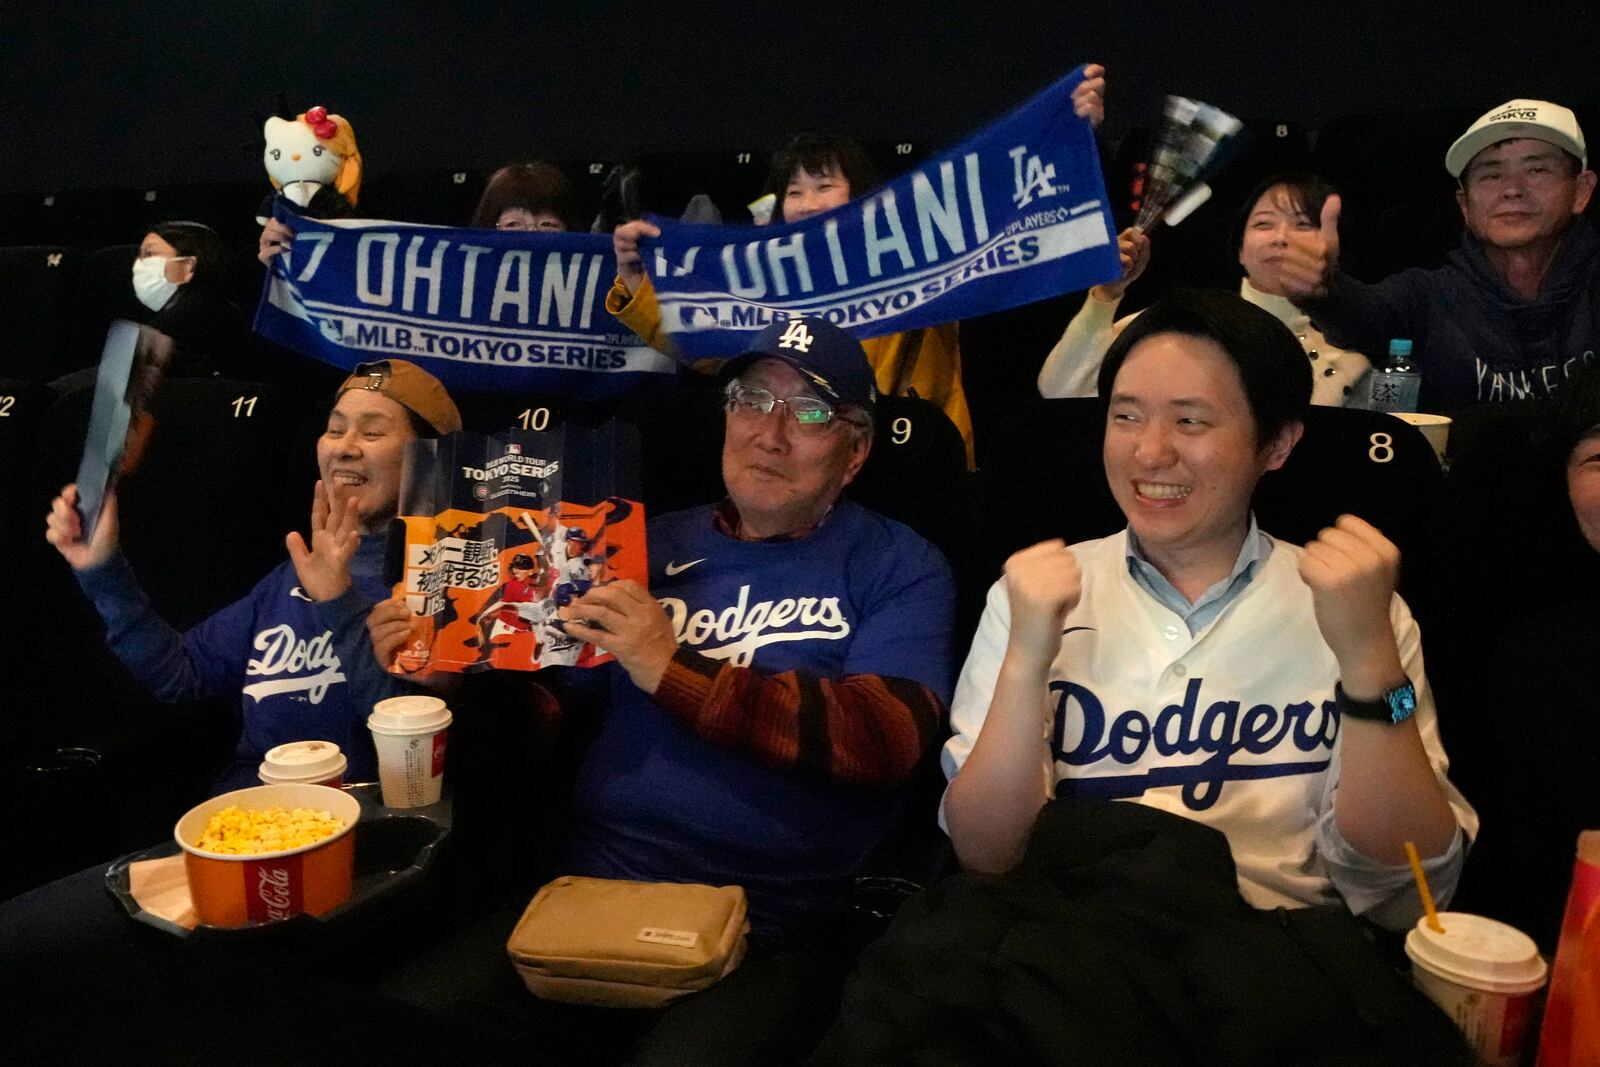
(395, 848)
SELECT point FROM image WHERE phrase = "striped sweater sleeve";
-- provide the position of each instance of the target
(862, 730)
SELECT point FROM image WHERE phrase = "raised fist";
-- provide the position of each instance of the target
(1043, 583)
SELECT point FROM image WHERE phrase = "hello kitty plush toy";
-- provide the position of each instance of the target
(312, 161)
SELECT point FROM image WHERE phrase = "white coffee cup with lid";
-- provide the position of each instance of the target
(409, 734)
(304, 762)
(1485, 975)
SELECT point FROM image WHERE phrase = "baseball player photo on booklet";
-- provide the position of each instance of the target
(494, 552)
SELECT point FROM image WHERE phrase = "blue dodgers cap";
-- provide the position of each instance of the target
(825, 355)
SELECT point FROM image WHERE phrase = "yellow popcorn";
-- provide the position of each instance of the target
(235, 831)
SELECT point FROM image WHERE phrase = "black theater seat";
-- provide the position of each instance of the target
(90, 218)
(588, 178)
(892, 158)
(1045, 478)
(36, 293)
(1380, 163)
(916, 472)
(437, 197)
(203, 519)
(227, 207)
(517, 409)
(22, 409)
(680, 434)
(730, 179)
(105, 292)
(1414, 233)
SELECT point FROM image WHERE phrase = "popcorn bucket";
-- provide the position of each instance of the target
(239, 890)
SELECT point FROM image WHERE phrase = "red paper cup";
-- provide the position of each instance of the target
(1485, 975)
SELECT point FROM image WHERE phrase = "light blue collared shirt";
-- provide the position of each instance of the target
(1198, 615)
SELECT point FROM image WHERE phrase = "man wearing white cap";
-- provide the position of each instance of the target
(1515, 311)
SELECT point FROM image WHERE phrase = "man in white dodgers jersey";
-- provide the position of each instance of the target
(1198, 665)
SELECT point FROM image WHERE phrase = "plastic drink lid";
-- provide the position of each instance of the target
(1399, 347)
(304, 759)
(1479, 952)
(409, 715)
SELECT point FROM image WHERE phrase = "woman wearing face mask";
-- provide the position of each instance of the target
(1281, 205)
(178, 276)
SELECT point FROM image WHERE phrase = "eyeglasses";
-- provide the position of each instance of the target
(808, 412)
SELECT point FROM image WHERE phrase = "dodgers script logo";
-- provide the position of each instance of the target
(282, 652)
(1088, 736)
(736, 632)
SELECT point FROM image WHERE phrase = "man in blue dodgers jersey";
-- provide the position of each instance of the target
(789, 662)
(787, 670)
(1196, 664)
(294, 649)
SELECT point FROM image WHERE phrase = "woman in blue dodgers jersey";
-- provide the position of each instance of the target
(1196, 664)
(295, 648)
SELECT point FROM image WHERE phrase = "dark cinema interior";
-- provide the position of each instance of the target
(809, 741)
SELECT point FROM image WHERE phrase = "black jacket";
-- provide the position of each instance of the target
(1122, 939)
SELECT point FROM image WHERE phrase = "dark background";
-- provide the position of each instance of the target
(117, 94)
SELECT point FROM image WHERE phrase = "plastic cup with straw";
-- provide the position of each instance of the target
(1483, 974)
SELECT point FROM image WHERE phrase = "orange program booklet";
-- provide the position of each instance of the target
(502, 533)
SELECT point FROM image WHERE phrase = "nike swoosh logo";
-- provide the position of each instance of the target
(300, 594)
(679, 568)
(1075, 629)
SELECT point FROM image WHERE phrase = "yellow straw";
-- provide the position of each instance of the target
(1422, 888)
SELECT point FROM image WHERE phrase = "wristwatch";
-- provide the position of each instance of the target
(1395, 706)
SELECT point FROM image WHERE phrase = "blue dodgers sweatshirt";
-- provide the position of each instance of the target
(861, 594)
(302, 670)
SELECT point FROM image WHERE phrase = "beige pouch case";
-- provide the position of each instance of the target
(624, 944)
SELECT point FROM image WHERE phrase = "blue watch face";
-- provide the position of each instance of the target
(1402, 703)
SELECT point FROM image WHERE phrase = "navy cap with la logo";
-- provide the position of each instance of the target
(825, 355)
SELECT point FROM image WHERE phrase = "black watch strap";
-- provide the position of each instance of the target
(1394, 707)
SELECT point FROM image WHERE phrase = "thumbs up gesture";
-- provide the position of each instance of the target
(1312, 256)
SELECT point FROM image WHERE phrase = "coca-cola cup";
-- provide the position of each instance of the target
(1485, 975)
(240, 890)
(409, 734)
(311, 762)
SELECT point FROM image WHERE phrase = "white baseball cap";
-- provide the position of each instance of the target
(1539, 120)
